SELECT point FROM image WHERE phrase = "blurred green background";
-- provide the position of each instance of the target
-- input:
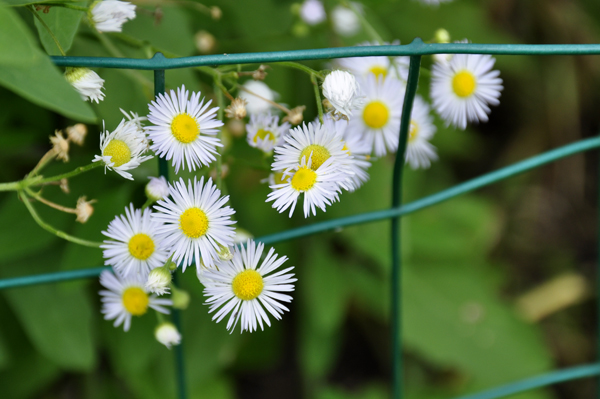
(480, 270)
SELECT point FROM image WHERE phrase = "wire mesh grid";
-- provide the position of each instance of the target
(159, 64)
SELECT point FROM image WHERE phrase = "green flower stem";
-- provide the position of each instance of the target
(79, 170)
(159, 317)
(12, 186)
(148, 202)
(46, 159)
(221, 104)
(303, 68)
(51, 229)
(43, 23)
(317, 97)
(49, 203)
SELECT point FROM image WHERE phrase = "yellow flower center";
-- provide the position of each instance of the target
(376, 114)
(247, 285)
(304, 179)
(264, 134)
(185, 128)
(141, 246)
(278, 177)
(193, 223)
(135, 301)
(414, 130)
(319, 155)
(464, 84)
(118, 152)
(378, 71)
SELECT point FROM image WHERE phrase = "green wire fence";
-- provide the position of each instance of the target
(415, 50)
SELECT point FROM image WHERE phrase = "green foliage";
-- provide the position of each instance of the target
(64, 23)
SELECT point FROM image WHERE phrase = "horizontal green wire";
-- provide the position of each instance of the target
(367, 217)
(539, 381)
(417, 47)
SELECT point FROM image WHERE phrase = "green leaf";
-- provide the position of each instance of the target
(58, 322)
(63, 22)
(21, 3)
(35, 77)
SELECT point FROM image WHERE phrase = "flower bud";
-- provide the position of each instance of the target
(180, 298)
(167, 334)
(159, 280)
(441, 36)
(224, 253)
(205, 42)
(157, 188)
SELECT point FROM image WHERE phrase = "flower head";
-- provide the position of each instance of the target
(110, 15)
(264, 131)
(77, 133)
(378, 120)
(379, 66)
(343, 93)
(159, 280)
(184, 129)
(84, 209)
(157, 188)
(419, 151)
(167, 334)
(345, 21)
(237, 109)
(245, 289)
(86, 82)
(255, 96)
(60, 146)
(133, 246)
(123, 148)
(312, 12)
(463, 88)
(126, 297)
(195, 222)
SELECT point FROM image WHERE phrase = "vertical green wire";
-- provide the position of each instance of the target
(163, 170)
(396, 283)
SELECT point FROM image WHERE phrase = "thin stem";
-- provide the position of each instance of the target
(363, 21)
(148, 202)
(75, 172)
(302, 67)
(49, 156)
(221, 104)
(43, 23)
(221, 86)
(12, 186)
(317, 97)
(51, 229)
(159, 317)
(50, 203)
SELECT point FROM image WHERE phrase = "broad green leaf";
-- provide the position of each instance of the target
(58, 323)
(63, 22)
(35, 77)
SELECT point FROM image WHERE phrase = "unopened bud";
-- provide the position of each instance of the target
(241, 236)
(159, 280)
(260, 73)
(205, 42)
(224, 253)
(441, 36)
(167, 334)
(157, 188)
(216, 13)
(84, 209)
(180, 298)
(237, 109)
(77, 133)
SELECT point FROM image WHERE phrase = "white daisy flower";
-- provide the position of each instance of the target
(463, 88)
(195, 222)
(254, 104)
(419, 152)
(318, 143)
(434, 2)
(133, 247)
(245, 289)
(343, 92)
(157, 188)
(264, 131)
(182, 128)
(357, 147)
(127, 297)
(87, 83)
(378, 121)
(166, 333)
(312, 12)
(110, 15)
(379, 66)
(320, 187)
(345, 21)
(122, 149)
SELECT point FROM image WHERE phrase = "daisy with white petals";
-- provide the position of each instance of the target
(378, 66)
(183, 128)
(419, 151)
(264, 131)
(126, 297)
(133, 247)
(123, 148)
(110, 15)
(463, 88)
(343, 92)
(320, 187)
(378, 120)
(195, 222)
(247, 291)
(88, 83)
